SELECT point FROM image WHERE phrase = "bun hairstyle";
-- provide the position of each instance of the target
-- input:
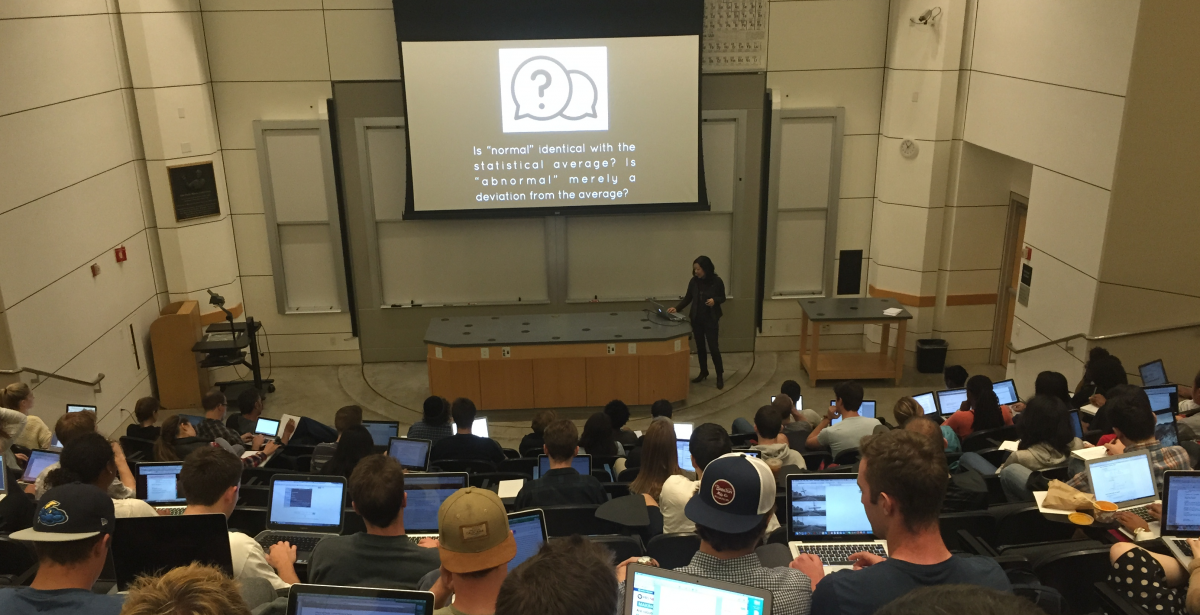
(12, 395)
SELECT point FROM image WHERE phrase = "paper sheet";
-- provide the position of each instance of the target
(510, 488)
(1009, 445)
(1039, 497)
(283, 421)
(892, 312)
(1094, 452)
(1090, 409)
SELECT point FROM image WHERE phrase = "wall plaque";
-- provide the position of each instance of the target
(194, 191)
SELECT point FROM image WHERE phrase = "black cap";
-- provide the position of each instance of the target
(70, 512)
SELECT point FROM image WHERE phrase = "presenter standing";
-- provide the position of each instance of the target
(705, 293)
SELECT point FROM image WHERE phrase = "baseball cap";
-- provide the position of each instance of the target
(473, 531)
(735, 492)
(70, 512)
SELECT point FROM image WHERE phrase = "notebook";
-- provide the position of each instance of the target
(144, 546)
(412, 453)
(581, 463)
(267, 427)
(529, 530)
(1126, 480)
(1006, 392)
(79, 408)
(867, 409)
(158, 485)
(382, 432)
(826, 517)
(927, 402)
(683, 431)
(39, 460)
(1181, 512)
(651, 591)
(426, 492)
(683, 451)
(305, 599)
(1153, 373)
(479, 428)
(950, 401)
(303, 510)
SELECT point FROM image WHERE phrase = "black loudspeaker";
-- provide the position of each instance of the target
(849, 272)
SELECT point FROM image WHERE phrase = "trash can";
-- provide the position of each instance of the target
(931, 356)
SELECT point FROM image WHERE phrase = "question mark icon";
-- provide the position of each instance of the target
(542, 87)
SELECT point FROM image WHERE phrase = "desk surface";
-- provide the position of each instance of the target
(865, 308)
(590, 327)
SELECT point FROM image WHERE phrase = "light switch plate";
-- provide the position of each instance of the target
(633, 349)
(437, 351)
(483, 353)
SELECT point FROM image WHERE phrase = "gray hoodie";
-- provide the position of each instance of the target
(782, 452)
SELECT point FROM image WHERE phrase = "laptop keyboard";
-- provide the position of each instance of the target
(839, 554)
(170, 511)
(416, 540)
(304, 543)
(1143, 512)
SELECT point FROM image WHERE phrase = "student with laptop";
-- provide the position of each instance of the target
(383, 556)
(465, 445)
(772, 442)
(73, 424)
(435, 421)
(345, 418)
(618, 414)
(903, 478)
(568, 576)
(213, 426)
(1133, 425)
(18, 396)
(90, 459)
(475, 547)
(70, 536)
(353, 445)
(145, 411)
(210, 479)
(562, 485)
(852, 428)
(980, 411)
(908, 408)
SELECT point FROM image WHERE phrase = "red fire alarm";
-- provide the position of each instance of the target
(120, 252)
(1028, 253)
(95, 269)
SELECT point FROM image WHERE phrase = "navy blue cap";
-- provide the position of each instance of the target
(70, 512)
(735, 492)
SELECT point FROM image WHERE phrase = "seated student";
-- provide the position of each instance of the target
(846, 434)
(960, 599)
(466, 445)
(661, 408)
(382, 556)
(1101, 373)
(907, 408)
(250, 406)
(209, 480)
(708, 442)
(352, 446)
(435, 421)
(1046, 440)
(146, 412)
(967, 490)
(618, 413)
(1135, 568)
(955, 376)
(12, 423)
(178, 439)
(91, 459)
(660, 459)
(345, 418)
(772, 443)
(1189, 398)
(1052, 384)
(791, 388)
(980, 411)
(903, 478)
(70, 535)
(597, 438)
(532, 443)
(74, 424)
(18, 396)
(213, 426)
(195, 589)
(475, 548)
(567, 576)
(562, 485)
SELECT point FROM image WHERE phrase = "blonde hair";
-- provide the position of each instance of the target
(195, 589)
(906, 409)
(13, 394)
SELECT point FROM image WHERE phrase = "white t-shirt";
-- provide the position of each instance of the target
(132, 507)
(250, 561)
(1186, 405)
(676, 492)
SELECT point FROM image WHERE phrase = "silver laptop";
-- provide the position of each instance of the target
(655, 590)
(303, 510)
(305, 599)
(826, 518)
(1126, 480)
(158, 486)
(1181, 512)
(425, 493)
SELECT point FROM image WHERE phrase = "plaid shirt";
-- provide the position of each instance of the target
(1161, 460)
(212, 429)
(791, 589)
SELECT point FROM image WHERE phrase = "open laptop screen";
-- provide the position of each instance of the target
(158, 484)
(683, 451)
(799, 402)
(1076, 425)
(867, 409)
(951, 401)
(79, 408)
(683, 431)
(146, 546)
(426, 492)
(38, 462)
(478, 428)
(382, 431)
(1153, 373)
(928, 405)
(581, 463)
(267, 427)
(826, 507)
(1181, 503)
(1164, 428)
(653, 591)
(1162, 397)
(327, 600)
(307, 503)
(529, 531)
(1122, 478)
(412, 454)
(1006, 392)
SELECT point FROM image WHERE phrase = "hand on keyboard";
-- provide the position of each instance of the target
(862, 559)
(860, 555)
(281, 555)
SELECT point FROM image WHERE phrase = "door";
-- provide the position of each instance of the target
(1010, 277)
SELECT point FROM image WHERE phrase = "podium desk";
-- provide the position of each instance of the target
(852, 365)
(558, 360)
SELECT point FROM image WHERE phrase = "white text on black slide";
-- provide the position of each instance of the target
(581, 172)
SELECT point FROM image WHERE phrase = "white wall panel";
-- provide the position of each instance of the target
(805, 163)
(266, 45)
(253, 253)
(164, 133)
(358, 4)
(239, 104)
(1068, 218)
(916, 47)
(920, 181)
(308, 268)
(903, 234)
(157, 6)
(199, 256)
(854, 225)
(721, 173)
(1060, 299)
(10, 9)
(45, 61)
(297, 175)
(816, 35)
(919, 104)
(800, 244)
(242, 181)
(858, 165)
(859, 91)
(259, 5)
(977, 239)
(166, 49)
(362, 45)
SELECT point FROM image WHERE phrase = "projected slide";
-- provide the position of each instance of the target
(552, 123)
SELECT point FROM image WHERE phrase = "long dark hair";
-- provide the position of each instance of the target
(597, 437)
(355, 443)
(706, 265)
(987, 412)
(659, 459)
(1054, 385)
(164, 446)
(82, 461)
(1045, 420)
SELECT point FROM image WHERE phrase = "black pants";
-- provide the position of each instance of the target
(705, 331)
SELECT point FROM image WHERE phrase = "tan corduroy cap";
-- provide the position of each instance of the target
(473, 531)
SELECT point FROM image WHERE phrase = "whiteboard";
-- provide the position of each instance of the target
(308, 266)
(805, 161)
(297, 175)
(799, 251)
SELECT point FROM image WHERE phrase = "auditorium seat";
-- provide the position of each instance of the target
(847, 457)
(988, 438)
(742, 439)
(352, 522)
(616, 490)
(489, 480)
(137, 449)
(470, 466)
(627, 475)
(510, 453)
(1075, 574)
(1114, 603)
(524, 465)
(778, 537)
(259, 476)
(249, 520)
(253, 495)
(602, 475)
(570, 520)
(978, 524)
(815, 460)
(623, 547)
(18, 563)
(673, 550)
(1026, 525)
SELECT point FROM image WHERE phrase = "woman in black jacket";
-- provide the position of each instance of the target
(705, 293)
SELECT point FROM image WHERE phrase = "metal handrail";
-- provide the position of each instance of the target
(95, 384)
(1097, 338)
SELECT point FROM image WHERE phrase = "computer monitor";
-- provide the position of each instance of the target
(867, 409)
(479, 428)
(146, 546)
(304, 599)
(581, 463)
(79, 408)
(1076, 424)
(927, 402)
(39, 460)
(267, 427)
(1163, 397)
(1006, 392)
(799, 402)
(951, 401)
(303, 503)
(1153, 373)
(653, 590)
(1165, 428)
(683, 431)
(825, 506)
(413, 454)
(1181, 504)
(529, 530)
(683, 451)
(382, 432)
(158, 483)
(426, 492)
(1126, 480)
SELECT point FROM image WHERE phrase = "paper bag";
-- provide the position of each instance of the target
(1062, 496)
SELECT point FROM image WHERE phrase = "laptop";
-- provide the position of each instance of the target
(303, 509)
(799, 402)
(148, 546)
(3, 477)
(79, 408)
(1165, 428)
(39, 460)
(1181, 512)
(581, 463)
(413, 454)
(683, 431)
(305, 599)
(826, 517)
(529, 530)
(478, 428)
(267, 427)
(683, 451)
(927, 402)
(950, 401)
(382, 432)
(1153, 373)
(651, 590)
(1126, 480)
(1163, 397)
(55, 445)
(867, 409)
(158, 486)
(1076, 424)
(1006, 392)
(425, 493)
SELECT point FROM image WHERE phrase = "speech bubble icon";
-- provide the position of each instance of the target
(583, 96)
(541, 88)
